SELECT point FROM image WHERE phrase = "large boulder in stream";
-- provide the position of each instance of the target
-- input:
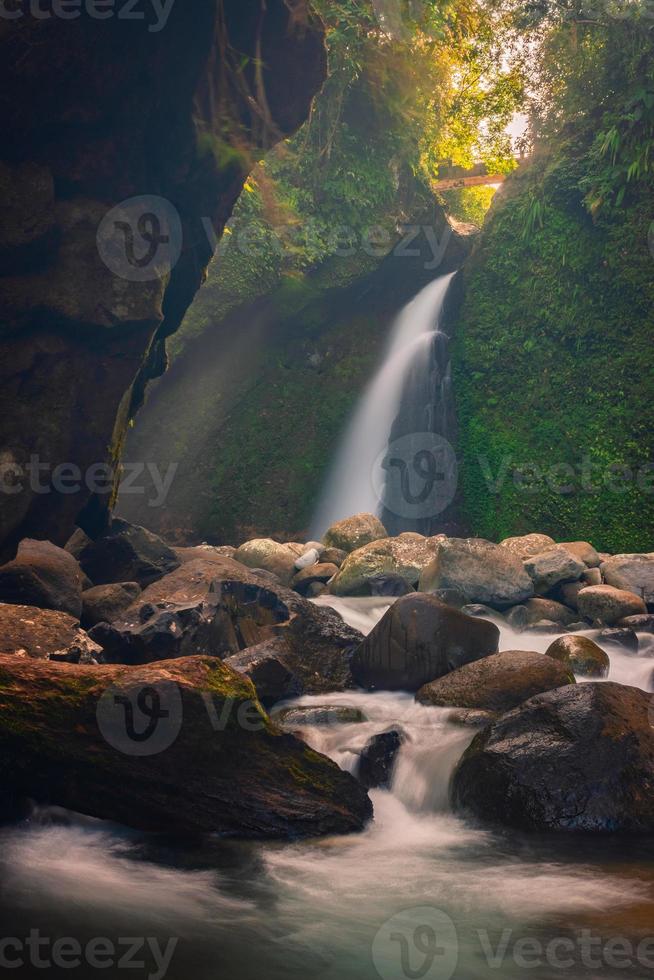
(42, 575)
(404, 556)
(355, 532)
(417, 640)
(580, 758)
(482, 571)
(497, 683)
(223, 609)
(181, 747)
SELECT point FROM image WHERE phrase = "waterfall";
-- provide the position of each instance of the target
(395, 459)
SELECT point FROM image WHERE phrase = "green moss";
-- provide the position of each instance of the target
(552, 362)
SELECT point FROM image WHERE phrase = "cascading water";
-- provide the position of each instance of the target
(407, 406)
(344, 908)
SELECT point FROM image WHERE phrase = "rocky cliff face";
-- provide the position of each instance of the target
(96, 113)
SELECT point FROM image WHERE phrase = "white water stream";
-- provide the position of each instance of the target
(351, 487)
(336, 909)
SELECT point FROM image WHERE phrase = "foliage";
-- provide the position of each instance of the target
(469, 204)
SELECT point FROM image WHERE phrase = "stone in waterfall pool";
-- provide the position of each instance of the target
(419, 894)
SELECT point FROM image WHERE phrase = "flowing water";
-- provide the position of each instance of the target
(419, 894)
(409, 396)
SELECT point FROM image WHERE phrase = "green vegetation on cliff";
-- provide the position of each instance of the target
(552, 355)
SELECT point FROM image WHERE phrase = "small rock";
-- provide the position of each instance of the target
(583, 551)
(355, 532)
(333, 556)
(478, 609)
(327, 714)
(468, 717)
(581, 655)
(310, 557)
(320, 573)
(377, 761)
(264, 664)
(453, 597)
(528, 544)
(632, 573)
(518, 617)
(606, 604)
(639, 624)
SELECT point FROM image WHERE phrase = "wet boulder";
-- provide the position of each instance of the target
(547, 569)
(377, 760)
(620, 637)
(354, 532)
(404, 556)
(104, 603)
(577, 759)
(42, 575)
(127, 553)
(269, 555)
(44, 634)
(483, 572)
(581, 654)
(606, 604)
(177, 747)
(417, 640)
(266, 667)
(497, 683)
(643, 623)
(555, 612)
(391, 586)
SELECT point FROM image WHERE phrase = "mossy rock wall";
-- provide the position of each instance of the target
(552, 363)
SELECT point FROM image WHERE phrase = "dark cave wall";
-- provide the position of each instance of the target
(95, 112)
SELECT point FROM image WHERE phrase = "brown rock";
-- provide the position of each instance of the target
(483, 572)
(43, 633)
(497, 683)
(583, 551)
(605, 604)
(528, 544)
(321, 572)
(213, 761)
(354, 532)
(104, 603)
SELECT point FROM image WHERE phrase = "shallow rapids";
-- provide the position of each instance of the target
(420, 894)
